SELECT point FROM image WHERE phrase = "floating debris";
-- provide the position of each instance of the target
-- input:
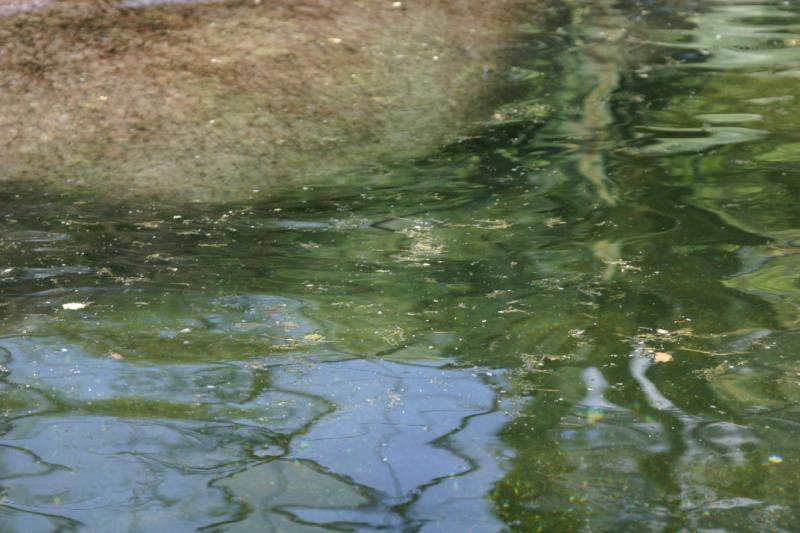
(314, 338)
(75, 306)
(663, 357)
(551, 222)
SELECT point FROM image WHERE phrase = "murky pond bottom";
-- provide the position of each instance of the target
(585, 317)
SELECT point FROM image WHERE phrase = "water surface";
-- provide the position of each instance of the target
(583, 317)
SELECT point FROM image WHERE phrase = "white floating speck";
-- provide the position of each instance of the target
(74, 306)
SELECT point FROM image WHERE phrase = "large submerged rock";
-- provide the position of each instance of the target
(209, 100)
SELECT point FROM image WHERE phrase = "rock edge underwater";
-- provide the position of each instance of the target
(208, 101)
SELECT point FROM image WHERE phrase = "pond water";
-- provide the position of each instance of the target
(583, 317)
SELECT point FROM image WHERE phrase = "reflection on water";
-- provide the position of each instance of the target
(322, 441)
(585, 317)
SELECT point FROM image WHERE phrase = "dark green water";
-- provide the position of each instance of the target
(585, 317)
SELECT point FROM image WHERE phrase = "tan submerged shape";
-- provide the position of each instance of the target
(210, 100)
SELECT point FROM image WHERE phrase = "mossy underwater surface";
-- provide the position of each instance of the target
(583, 317)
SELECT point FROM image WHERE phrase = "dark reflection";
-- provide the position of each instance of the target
(583, 319)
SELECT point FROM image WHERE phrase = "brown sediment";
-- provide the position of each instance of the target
(210, 100)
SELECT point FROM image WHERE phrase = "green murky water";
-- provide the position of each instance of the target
(585, 317)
